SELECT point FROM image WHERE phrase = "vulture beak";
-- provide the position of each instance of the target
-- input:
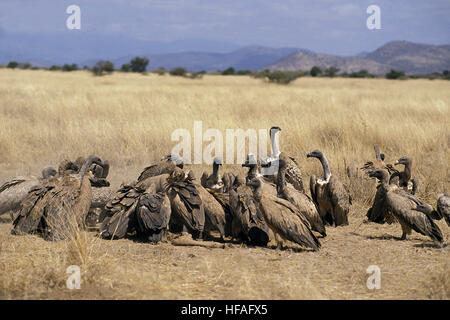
(309, 155)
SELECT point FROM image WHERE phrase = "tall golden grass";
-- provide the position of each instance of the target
(128, 119)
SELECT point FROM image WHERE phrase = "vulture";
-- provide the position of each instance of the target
(329, 194)
(57, 207)
(166, 165)
(15, 190)
(378, 163)
(403, 179)
(101, 194)
(247, 222)
(293, 172)
(188, 211)
(442, 208)
(228, 180)
(142, 208)
(217, 213)
(213, 181)
(282, 217)
(402, 207)
(303, 203)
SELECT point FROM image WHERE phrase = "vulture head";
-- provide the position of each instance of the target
(380, 174)
(48, 172)
(251, 161)
(274, 130)
(94, 159)
(315, 154)
(254, 183)
(218, 161)
(403, 160)
(176, 159)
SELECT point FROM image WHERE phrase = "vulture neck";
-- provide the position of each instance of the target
(252, 172)
(384, 183)
(274, 143)
(407, 172)
(84, 169)
(326, 168)
(215, 173)
(281, 180)
(257, 191)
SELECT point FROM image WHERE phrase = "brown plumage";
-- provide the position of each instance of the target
(14, 191)
(214, 180)
(56, 208)
(153, 215)
(126, 213)
(379, 211)
(303, 203)
(188, 212)
(403, 178)
(165, 166)
(330, 195)
(282, 217)
(442, 208)
(228, 179)
(215, 214)
(403, 209)
(247, 224)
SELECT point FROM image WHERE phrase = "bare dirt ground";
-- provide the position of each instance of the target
(124, 269)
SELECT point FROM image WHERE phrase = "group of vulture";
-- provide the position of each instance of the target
(256, 209)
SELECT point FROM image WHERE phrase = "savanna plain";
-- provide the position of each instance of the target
(128, 119)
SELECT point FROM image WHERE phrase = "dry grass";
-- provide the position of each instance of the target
(128, 119)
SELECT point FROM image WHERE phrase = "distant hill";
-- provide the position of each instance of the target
(400, 55)
(413, 57)
(305, 61)
(247, 58)
(85, 48)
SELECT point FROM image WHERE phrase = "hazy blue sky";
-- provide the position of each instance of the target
(329, 26)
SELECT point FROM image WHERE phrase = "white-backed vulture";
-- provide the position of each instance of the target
(215, 214)
(403, 209)
(217, 217)
(166, 165)
(214, 180)
(14, 191)
(403, 178)
(228, 179)
(282, 217)
(378, 163)
(293, 172)
(330, 194)
(142, 207)
(247, 224)
(57, 207)
(303, 203)
(188, 212)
